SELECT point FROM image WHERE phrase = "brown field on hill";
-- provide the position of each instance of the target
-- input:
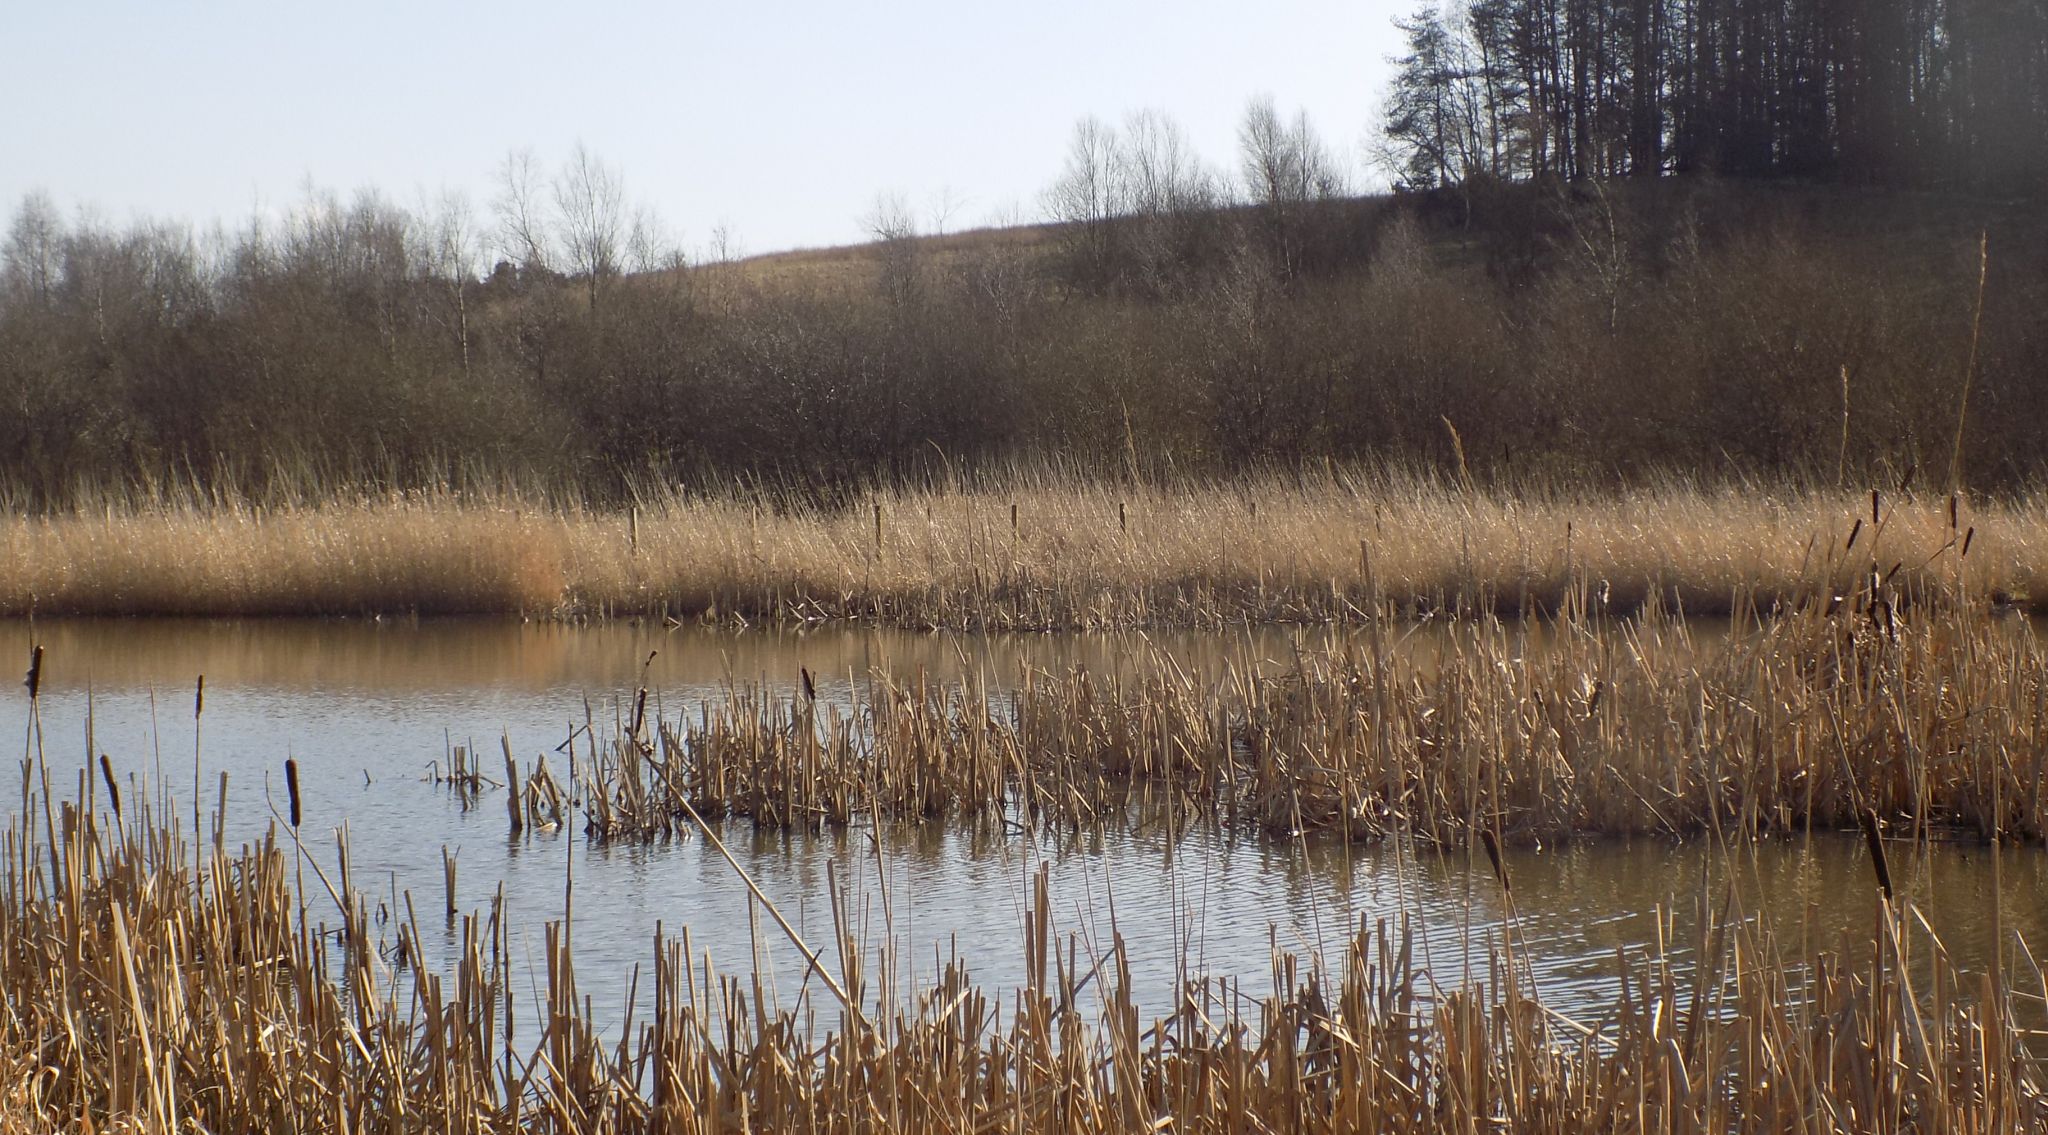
(855, 270)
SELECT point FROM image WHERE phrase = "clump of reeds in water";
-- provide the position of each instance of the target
(154, 987)
(1928, 716)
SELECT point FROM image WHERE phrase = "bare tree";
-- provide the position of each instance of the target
(33, 242)
(1284, 163)
(175, 274)
(650, 247)
(1086, 202)
(945, 205)
(99, 273)
(590, 202)
(1160, 171)
(998, 276)
(522, 234)
(889, 218)
(893, 227)
(1171, 199)
(451, 261)
(1287, 170)
(726, 245)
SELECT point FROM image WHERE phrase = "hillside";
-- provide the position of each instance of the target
(849, 268)
(1598, 332)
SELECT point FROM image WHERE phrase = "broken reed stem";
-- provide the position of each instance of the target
(513, 795)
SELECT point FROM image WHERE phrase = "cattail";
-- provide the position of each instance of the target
(1500, 871)
(35, 673)
(199, 698)
(291, 787)
(1868, 819)
(1855, 530)
(113, 789)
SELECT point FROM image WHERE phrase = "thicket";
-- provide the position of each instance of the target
(1602, 332)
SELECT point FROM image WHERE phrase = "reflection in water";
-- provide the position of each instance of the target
(366, 707)
(400, 658)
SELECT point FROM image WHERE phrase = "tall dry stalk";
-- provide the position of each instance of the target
(1955, 459)
(1842, 453)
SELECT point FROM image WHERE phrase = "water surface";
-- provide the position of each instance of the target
(369, 709)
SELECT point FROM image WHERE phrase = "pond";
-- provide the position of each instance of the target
(369, 710)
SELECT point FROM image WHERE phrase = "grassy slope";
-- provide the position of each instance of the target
(852, 268)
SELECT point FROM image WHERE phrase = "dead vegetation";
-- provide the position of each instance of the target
(1038, 551)
(156, 986)
(1928, 718)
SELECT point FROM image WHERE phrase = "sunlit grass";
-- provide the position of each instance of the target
(1078, 553)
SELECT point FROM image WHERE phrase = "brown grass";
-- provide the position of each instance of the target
(1931, 718)
(1082, 554)
(841, 271)
(151, 988)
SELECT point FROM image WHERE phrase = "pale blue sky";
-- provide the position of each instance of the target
(781, 121)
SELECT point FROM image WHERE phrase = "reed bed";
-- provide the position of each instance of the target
(1042, 552)
(1929, 719)
(154, 986)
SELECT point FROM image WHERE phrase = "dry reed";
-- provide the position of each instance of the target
(1044, 552)
(1929, 716)
(151, 990)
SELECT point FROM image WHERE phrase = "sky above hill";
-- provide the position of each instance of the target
(781, 123)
